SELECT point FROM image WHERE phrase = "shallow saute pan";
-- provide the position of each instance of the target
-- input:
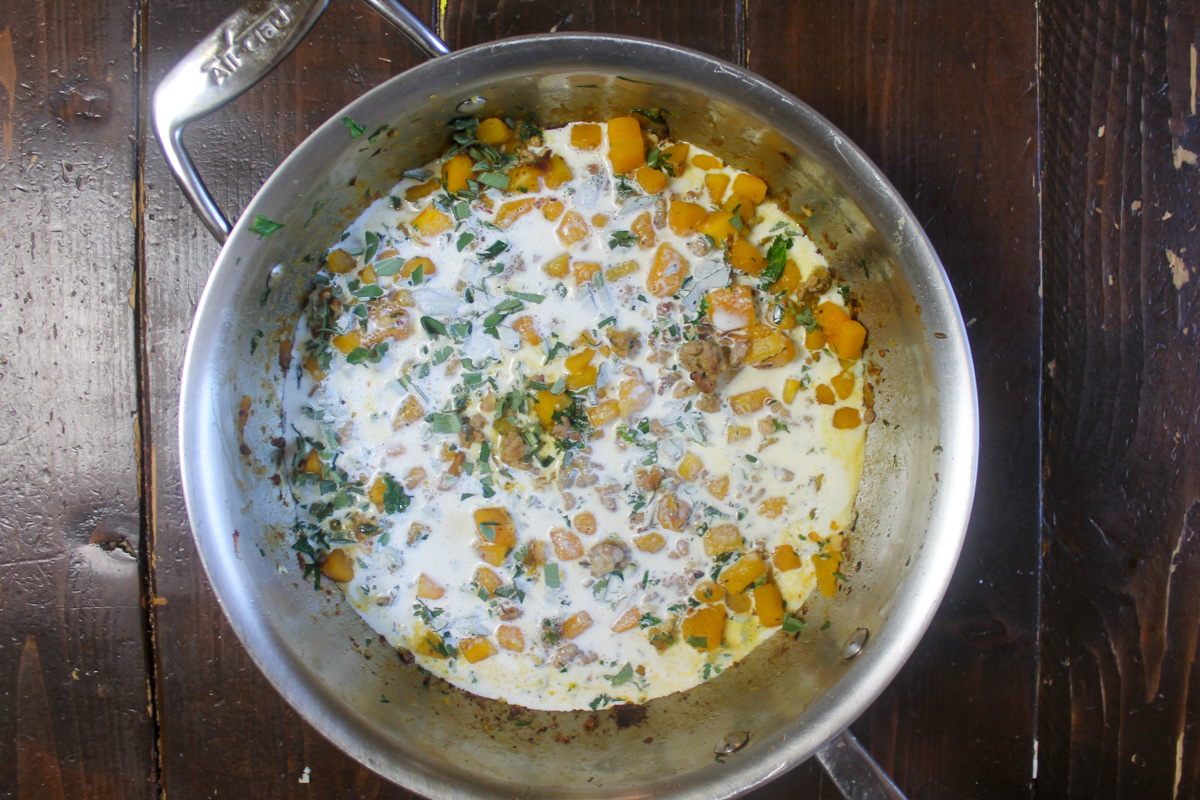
(791, 698)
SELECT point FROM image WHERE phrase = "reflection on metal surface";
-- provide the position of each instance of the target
(732, 742)
(855, 643)
(471, 104)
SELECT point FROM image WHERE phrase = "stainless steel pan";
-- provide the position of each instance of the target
(791, 698)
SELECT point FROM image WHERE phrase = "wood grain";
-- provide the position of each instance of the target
(73, 654)
(942, 96)
(1121, 588)
(225, 731)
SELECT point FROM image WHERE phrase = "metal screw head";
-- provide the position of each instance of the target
(855, 643)
(731, 743)
(472, 104)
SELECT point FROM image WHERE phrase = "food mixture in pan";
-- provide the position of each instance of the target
(578, 415)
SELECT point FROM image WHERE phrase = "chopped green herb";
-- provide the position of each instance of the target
(622, 239)
(553, 578)
(699, 642)
(494, 250)
(497, 180)
(623, 676)
(363, 355)
(805, 317)
(793, 625)
(388, 267)
(776, 261)
(465, 239)
(264, 227)
(444, 422)
(653, 114)
(355, 129)
(433, 327)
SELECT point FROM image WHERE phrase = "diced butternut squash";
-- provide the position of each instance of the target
(488, 580)
(667, 271)
(428, 588)
(706, 162)
(410, 411)
(627, 621)
(426, 266)
(750, 401)
(510, 638)
(784, 558)
(723, 538)
(368, 275)
(746, 258)
(690, 468)
(576, 624)
(603, 413)
(788, 281)
(456, 172)
(585, 136)
(626, 150)
(843, 384)
(566, 544)
(676, 155)
(546, 403)
(707, 592)
(718, 487)
(772, 507)
(337, 566)
(827, 562)
(340, 261)
(732, 308)
(493, 554)
(739, 205)
(429, 644)
(633, 396)
(377, 492)
(414, 193)
(717, 225)
(431, 222)
(814, 340)
(769, 348)
(493, 131)
(524, 179)
(312, 463)
(476, 648)
(846, 340)
(790, 388)
(643, 228)
(348, 341)
(739, 603)
(572, 229)
(582, 380)
(584, 271)
(750, 187)
(557, 267)
(649, 542)
(846, 418)
(622, 270)
(495, 526)
(552, 210)
(825, 394)
(513, 210)
(716, 183)
(526, 328)
(585, 523)
(743, 572)
(704, 628)
(651, 180)
(768, 605)
(685, 217)
(560, 172)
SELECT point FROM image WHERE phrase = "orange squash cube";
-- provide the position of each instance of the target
(495, 525)
(546, 403)
(585, 136)
(746, 258)
(685, 217)
(716, 183)
(643, 228)
(348, 341)
(737, 576)
(603, 413)
(576, 624)
(825, 395)
(690, 467)
(718, 487)
(493, 554)
(584, 271)
(510, 638)
(768, 605)
(430, 223)
(414, 193)
(557, 267)
(566, 544)
(429, 644)
(827, 562)
(750, 401)
(784, 558)
(769, 348)
(572, 229)
(526, 328)
(552, 210)
(633, 396)
(456, 172)
(651, 180)
(513, 210)
(843, 384)
(524, 179)
(790, 388)
(717, 225)
(493, 131)
(488, 580)
(667, 271)
(627, 621)
(426, 264)
(706, 162)
(704, 628)
(340, 261)
(846, 418)
(312, 463)
(476, 648)
(337, 566)
(560, 172)
(626, 150)
(708, 592)
(428, 588)
(676, 155)
(732, 308)
(750, 188)
(723, 538)
(649, 542)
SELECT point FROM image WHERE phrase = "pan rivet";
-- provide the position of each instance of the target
(732, 742)
(472, 104)
(854, 644)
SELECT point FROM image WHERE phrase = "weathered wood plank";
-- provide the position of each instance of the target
(73, 661)
(1121, 586)
(225, 731)
(713, 27)
(942, 96)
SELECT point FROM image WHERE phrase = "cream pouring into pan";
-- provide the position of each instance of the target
(793, 697)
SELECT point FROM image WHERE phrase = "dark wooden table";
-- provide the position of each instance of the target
(1050, 150)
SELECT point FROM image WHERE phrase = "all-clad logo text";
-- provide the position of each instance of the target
(243, 43)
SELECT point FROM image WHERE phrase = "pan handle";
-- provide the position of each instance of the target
(231, 59)
(856, 775)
